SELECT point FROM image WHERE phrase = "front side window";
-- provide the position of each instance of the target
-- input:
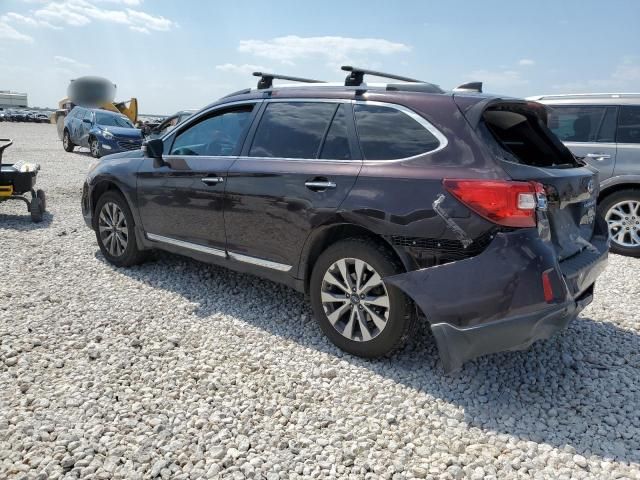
(386, 133)
(217, 135)
(292, 129)
(576, 124)
(629, 125)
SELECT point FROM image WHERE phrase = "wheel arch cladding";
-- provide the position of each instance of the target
(617, 187)
(322, 238)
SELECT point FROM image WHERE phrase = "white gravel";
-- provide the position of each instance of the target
(180, 370)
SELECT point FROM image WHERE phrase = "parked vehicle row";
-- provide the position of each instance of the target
(379, 201)
(24, 116)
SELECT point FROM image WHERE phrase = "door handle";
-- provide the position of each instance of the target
(318, 185)
(212, 180)
(598, 156)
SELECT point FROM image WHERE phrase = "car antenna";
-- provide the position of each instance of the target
(356, 77)
(266, 79)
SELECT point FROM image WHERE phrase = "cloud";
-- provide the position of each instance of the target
(526, 62)
(625, 76)
(334, 50)
(69, 62)
(7, 32)
(78, 13)
(244, 69)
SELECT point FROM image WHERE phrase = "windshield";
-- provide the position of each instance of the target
(107, 120)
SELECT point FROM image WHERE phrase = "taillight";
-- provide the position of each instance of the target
(508, 203)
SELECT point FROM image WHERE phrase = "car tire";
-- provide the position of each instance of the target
(36, 209)
(621, 211)
(115, 231)
(94, 146)
(349, 322)
(67, 144)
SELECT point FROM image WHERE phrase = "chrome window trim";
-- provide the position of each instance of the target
(260, 262)
(191, 246)
(442, 139)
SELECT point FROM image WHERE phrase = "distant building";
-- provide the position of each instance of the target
(10, 99)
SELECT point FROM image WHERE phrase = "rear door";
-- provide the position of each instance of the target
(182, 199)
(628, 140)
(589, 132)
(297, 166)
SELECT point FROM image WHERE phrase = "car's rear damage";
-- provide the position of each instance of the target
(538, 272)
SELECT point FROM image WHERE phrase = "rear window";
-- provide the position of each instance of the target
(516, 133)
(292, 129)
(386, 133)
(583, 123)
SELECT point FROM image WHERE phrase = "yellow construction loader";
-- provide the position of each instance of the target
(93, 92)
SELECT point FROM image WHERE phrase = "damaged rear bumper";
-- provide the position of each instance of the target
(496, 301)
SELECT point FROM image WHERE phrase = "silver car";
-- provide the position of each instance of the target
(604, 129)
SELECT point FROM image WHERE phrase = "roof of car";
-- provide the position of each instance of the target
(589, 99)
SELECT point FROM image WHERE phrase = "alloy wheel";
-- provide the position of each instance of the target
(65, 140)
(623, 220)
(112, 227)
(95, 148)
(355, 299)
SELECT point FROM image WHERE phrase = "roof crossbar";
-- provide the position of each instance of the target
(266, 79)
(356, 77)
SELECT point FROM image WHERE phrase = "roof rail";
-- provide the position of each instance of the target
(585, 95)
(469, 87)
(266, 79)
(356, 77)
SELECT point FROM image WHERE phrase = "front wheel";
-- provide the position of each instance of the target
(94, 146)
(356, 310)
(114, 229)
(621, 211)
(67, 144)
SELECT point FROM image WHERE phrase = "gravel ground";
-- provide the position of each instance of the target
(179, 370)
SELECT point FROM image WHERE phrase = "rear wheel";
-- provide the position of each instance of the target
(67, 144)
(36, 208)
(621, 211)
(354, 307)
(43, 199)
(114, 229)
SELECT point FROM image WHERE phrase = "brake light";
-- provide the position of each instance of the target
(508, 203)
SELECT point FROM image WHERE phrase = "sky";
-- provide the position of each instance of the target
(175, 55)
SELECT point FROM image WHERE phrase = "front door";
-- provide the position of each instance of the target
(297, 166)
(182, 198)
(589, 132)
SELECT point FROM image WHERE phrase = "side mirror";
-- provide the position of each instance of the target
(86, 120)
(154, 149)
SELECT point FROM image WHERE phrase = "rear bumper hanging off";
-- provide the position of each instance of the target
(496, 301)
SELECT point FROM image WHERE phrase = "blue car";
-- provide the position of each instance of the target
(102, 131)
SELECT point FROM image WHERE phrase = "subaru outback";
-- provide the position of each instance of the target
(384, 203)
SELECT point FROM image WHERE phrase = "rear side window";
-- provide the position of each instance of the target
(629, 125)
(583, 123)
(336, 145)
(216, 135)
(386, 133)
(292, 129)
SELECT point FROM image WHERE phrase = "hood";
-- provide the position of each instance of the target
(123, 132)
